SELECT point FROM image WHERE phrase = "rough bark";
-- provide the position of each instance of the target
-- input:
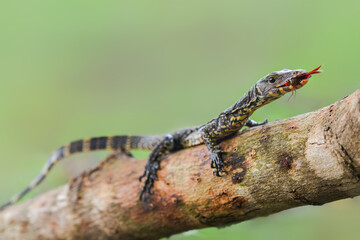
(310, 159)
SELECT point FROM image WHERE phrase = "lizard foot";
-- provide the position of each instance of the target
(217, 162)
(264, 122)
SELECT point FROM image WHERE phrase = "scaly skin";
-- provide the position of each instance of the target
(266, 90)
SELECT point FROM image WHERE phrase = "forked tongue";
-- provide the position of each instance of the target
(308, 74)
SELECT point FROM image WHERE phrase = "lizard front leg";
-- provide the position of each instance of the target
(215, 152)
(153, 165)
(252, 123)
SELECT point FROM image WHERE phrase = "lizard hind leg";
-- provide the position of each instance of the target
(153, 165)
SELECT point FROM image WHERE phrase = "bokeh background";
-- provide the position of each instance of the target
(75, 69)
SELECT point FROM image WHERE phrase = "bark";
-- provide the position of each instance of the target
(310, 159)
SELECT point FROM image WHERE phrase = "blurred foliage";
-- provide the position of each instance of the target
(74, 69)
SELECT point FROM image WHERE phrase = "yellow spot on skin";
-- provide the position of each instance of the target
(273, 94)
(291, 88)
(127, 144)
(303, 82)
(241, 117)
(282, 90)
(67, 150)
(109, 142)
(86, 145)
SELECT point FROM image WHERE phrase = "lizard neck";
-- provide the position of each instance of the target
(251, 101)
(260, 101)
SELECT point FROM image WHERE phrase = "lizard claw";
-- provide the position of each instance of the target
(141, 177)
(218, 172)
(145, 172)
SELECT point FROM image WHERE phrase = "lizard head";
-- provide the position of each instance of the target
(277, 84)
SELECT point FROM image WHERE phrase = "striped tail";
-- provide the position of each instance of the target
(87, 145)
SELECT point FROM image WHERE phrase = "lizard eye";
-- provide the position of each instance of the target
(271, 80)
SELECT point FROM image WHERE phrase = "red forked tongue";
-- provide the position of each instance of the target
(308, 74)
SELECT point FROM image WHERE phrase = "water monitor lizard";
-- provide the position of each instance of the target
(230, 121)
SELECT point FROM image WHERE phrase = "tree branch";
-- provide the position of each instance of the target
(310, 159)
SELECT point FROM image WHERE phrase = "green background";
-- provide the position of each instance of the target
(75, 69)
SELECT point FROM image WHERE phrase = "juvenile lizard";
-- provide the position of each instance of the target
(266, 90)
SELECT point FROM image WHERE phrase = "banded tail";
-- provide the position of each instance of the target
(87, 145)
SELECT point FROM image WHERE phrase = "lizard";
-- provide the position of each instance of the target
(229, 122)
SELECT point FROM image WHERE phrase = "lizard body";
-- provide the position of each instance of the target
(266, 90)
